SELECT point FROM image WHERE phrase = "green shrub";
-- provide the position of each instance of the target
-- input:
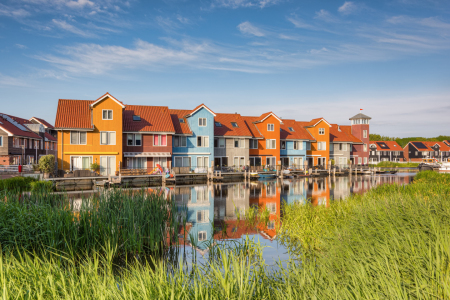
(16, 183)
(47, 163)
(41, 186)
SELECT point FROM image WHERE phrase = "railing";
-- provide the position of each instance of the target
(15, 168)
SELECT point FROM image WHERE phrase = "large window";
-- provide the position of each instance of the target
(202, 161)
(255, 161)
(321, 131)
(253, 144)
(298, 145)
(239, 143)
(321, 145)
(159, 140)
(107, 137)
(179, 141)
(270, 127)
(182, 161)
(80, 162)
(202, 141)
(202, 122)
(107, 114)
(136, 162)
(134, 139)
(77, 138)
(271, 144)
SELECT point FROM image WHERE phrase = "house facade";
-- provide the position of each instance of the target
(294, 142)
(264, 147)
(147, 136)
(318, 153)
(90, 131)
(385, 151)
(341, 143)
(193, 141)
(231, 141)
(360, 129)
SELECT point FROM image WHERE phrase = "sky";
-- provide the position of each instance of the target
(300, 59)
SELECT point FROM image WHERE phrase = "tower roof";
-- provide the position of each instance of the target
(360, 116)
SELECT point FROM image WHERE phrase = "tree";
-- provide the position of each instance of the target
(47, 163)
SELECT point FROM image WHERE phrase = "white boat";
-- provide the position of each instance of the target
(444, 167)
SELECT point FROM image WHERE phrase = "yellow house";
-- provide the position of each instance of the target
(90, 132)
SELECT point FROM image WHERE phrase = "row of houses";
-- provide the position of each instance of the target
(24, 141)
(414, 151)
(118, 136)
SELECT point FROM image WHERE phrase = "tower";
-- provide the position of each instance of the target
(360, 129)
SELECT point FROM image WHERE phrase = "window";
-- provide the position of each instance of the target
(136, 162)
(107, 137)
(255, 161)
(234, 124)
(203, 216)
(159, 140)
(359, 160)
(1, 141)
(365, 147)
(182, 161)
(202, 161)
(76, 138)
(136, 118)
(202, 122)
(365, 160)
(80, 162)
(291, 129)
(107, 114)
(253, 144)
(283, 145)
(364, 133)
(271, 144)
(179, 141)
(308, 146)
(270, 127)
(218, 124)
(219, 143)
(321, 145)
(134, 139)
(417, 153)
(181, 120)
(202, 236)
(321, 131)
(298, 145)
(239, 143)
(202, 141)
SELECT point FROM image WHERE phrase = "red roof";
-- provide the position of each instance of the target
(313, 122)
(348, 130)
(14, 130)
(153, 119)
(447, 142)
(390, 145)
(443, 146)
(43, 122)
(176, 115)
(226, 129)
(249, 121)
(50, 137)
(73, 114)
(299, 133)
(337, 134)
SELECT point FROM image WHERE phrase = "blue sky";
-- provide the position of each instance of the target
(299, 59)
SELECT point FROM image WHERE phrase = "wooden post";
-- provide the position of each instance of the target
(310, 172)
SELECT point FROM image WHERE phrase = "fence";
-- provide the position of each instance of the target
(15, 168)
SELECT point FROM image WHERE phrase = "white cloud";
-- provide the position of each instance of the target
(247, 28)
(244, 3)
(325, 16)
(13, 12)
(80, 4)
(70, 28)
(11, 81)
(347, 8)
(183, 20)
(20, 46)
(299, 23)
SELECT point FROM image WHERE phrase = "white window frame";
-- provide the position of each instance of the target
(252, 142)
(365, 160)
(159, 140)
(201, 122)
(180, 139)
(359, 160)
(91, 160)
(204, 140)
(203, 234)
(321, 145)
(134, 139)
(107, 114)
(285, 145)
(365, 134)
(202, 160)
(182, 161)
(321, 131)
(204, 216)
(115, 138)
(270, 127)
(36, 143)
(365, 147)
(271, 144)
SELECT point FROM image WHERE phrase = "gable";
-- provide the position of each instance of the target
(105, 97)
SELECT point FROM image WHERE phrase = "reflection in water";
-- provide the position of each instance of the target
(226, 204)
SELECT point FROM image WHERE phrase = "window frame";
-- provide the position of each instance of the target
(107, 114)
(271, 142)
(180, 138)
(281, 145)
(1, 141)
(270, 126)
(159, 140)
(200, 122)
(71, 132)
(202, 141)
(252, 144)
(364, 134)
(234, 125)
(108, 138)
(321, 131)
(134, 139)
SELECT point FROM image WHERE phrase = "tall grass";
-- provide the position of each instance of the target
(390, 164)
(16, 184)
(130, 222)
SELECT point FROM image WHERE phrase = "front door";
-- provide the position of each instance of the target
(107, 165)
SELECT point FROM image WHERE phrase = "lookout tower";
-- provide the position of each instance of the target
(360, 129)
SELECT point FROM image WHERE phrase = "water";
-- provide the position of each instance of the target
(225, 205)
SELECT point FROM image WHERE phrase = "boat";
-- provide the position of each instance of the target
(266, 176)
(429, 164)
(445, 167)
(393, 172)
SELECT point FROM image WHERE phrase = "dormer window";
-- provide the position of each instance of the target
(218, 124)
(136, 118)
(107, 114)
(234, 124)
(181, 120)
(291, 129)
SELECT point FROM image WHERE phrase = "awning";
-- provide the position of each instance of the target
(147, 154)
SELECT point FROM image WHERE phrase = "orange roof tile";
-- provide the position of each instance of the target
(227, 129)
(153, 119)
(443, 146)
(339, 135)
(348, 130)
(313, 122)
(249, 121)
(73, 114)
(299, 133)
(265, 115)
(391, 145)
(176, 115)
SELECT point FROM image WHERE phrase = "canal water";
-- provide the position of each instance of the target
(225, 205)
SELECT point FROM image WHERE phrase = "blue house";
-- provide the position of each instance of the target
(294, 141)
(294, 191)
(193, 141)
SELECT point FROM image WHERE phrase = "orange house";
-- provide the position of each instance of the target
(90, 132)
(265, 141)
(319, 152)
(319, 191)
